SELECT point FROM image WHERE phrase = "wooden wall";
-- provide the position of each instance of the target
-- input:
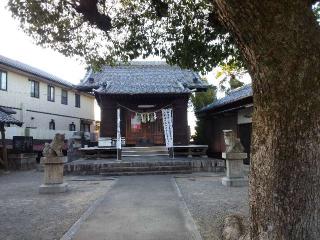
(215, 126)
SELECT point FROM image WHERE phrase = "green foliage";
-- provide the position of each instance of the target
(316, 10)
(230, 74)
(200, 100)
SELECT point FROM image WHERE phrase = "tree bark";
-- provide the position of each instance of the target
(280, 42)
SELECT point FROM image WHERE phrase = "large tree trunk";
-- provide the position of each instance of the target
(280, 41)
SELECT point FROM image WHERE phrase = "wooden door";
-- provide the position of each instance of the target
(147, 134)
(244, 131)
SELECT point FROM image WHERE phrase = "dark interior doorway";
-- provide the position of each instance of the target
(245, 131)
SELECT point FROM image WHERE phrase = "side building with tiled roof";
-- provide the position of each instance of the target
(43, 102)
(234, 111)
(141, 89)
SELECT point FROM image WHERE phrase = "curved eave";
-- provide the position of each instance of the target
(231, 106)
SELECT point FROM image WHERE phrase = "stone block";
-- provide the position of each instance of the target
(234, 168)
(234, 182)
(53, 188)
(53, 175)
(53, 160)
(234, 155)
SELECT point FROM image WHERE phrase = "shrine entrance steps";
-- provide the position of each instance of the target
(152, 151)
(129, 166)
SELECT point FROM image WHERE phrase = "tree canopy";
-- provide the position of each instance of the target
(229, 75)
(183, 32)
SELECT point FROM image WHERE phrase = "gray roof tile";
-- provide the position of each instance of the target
(141, 78)
(32, 70)
(7, 110)
(233, 96)
(7, 118)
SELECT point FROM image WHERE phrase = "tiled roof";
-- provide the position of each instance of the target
(7, 110)
(141, 78)
(233, 96)
(7, 118)
(32, 70)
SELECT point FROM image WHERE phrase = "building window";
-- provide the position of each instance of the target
(77, 100)
(34, 89)
(50, 93)
(72, 127)
(3, 81)
(64, 97)
(85, 127)
(52, 125)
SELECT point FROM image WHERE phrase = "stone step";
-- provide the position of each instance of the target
(145, 169)
(153, 151)
(146, 173)
(96, 168)
(149, 151)
(131, 164)
(135, 154)
(145, 148)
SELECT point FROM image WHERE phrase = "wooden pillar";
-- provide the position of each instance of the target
(4, 160)
(108, 117)
(180, 121)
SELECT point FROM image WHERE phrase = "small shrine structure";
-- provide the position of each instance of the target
(5, 120)
(141, 90)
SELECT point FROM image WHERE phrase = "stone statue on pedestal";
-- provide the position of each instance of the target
(234, 156)
(54, 149)
(232, 143)
(53, 161)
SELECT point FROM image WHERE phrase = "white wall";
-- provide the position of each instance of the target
(18, 96)
(35, 133)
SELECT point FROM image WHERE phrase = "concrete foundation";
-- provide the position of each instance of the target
(234, 182)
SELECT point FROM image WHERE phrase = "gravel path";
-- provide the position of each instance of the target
(210, 202)
(25, 214)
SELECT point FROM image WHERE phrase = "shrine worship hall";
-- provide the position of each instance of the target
(144, 115)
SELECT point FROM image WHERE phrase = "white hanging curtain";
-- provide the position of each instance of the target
(118, 130)
(167, 126)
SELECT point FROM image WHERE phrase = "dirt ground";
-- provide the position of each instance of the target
(25, 214)
(209, 202)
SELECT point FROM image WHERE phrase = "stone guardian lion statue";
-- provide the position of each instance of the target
(233, 144)
(54, 149)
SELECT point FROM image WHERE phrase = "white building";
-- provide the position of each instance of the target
(44, 103)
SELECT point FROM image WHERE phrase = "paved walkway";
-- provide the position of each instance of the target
(140, 208)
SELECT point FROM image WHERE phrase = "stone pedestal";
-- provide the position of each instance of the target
(53, 175)
(234, 170)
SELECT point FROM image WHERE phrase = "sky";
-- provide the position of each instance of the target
(15, 44)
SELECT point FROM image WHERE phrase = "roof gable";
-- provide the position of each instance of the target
(234, 96)
(143, 77)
